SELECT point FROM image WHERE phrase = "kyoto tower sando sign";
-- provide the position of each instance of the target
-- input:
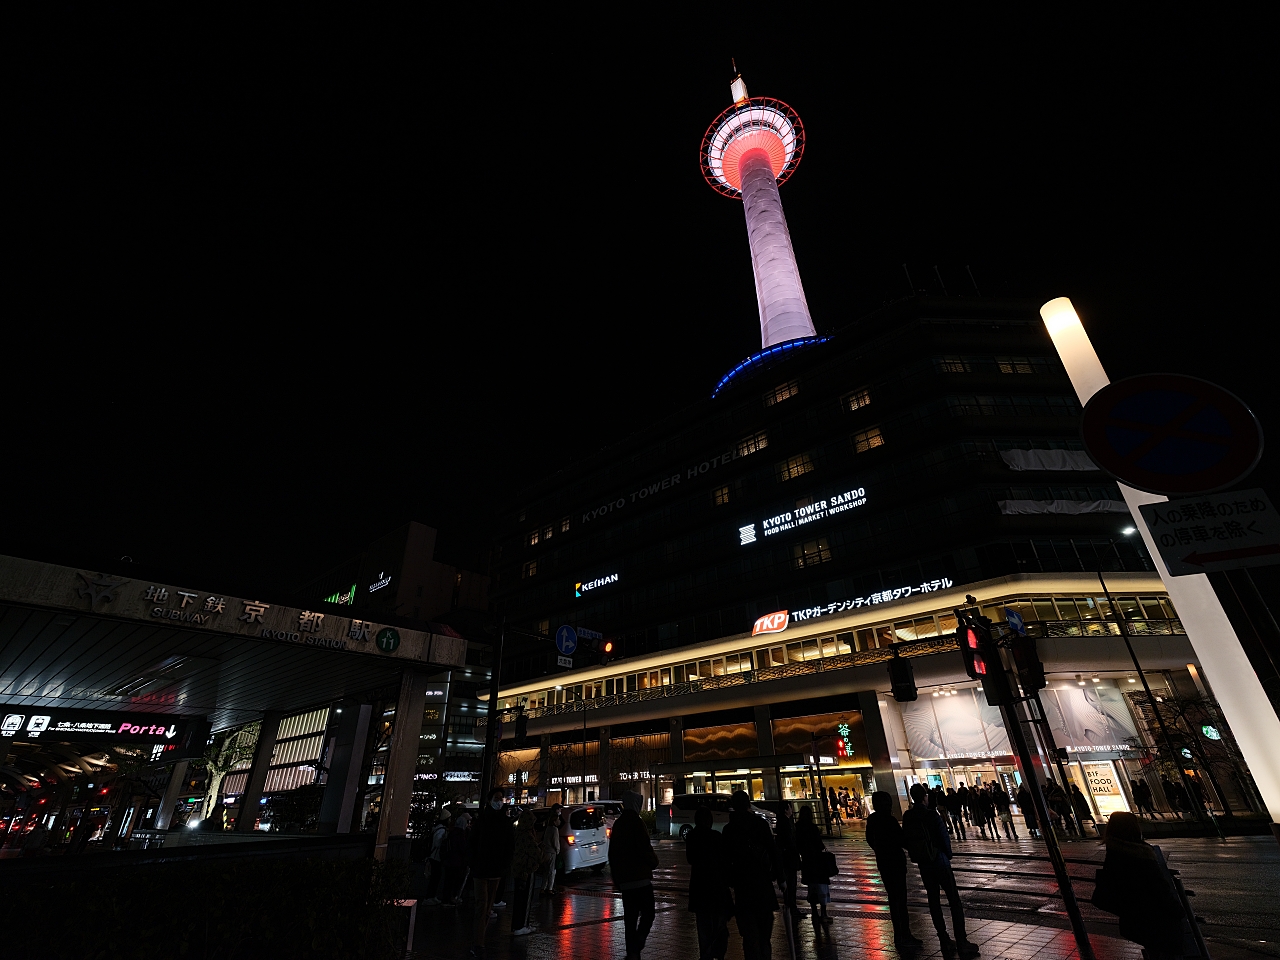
(747, 152)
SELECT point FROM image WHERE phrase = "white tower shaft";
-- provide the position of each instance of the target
(784, 312)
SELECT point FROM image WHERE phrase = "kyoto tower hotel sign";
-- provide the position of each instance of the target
(748, 151)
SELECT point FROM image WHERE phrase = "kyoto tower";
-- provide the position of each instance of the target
(747, 152)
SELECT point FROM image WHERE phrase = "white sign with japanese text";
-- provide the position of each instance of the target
(1217, 531)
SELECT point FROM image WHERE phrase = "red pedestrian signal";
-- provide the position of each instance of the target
(975, 662)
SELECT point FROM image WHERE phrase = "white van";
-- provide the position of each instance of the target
(584, 838)
(683, 806)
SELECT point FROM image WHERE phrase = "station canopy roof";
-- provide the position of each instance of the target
(84, 639)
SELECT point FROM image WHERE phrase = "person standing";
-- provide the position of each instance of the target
(710, 900)
(1142, 798)
(988, 806)
(837, 812)
(1080, 805)
(492, 845)
(1004, 813)
(965, 810)
(551, 842)
(435, 859)
(927, 845)
(812, 861)
(527, 860)
(454, 881)
(954, 805)
(632, 862)
(1149, 908)
(884, 836)
(1028, 811)
(754, 864)
(785, 829)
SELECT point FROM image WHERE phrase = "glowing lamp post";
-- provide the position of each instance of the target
(1236, 685)
(747, 152)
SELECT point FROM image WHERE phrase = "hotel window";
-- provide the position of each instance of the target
(867, 439)
(544, 627)
(866, 639)
(844, 643)
(530, 569)
(951, 365)
(677, 673)
(720, 495)
(810, 552)
(717, 667)
(533, 538)
(608, 687)
(795, 653)
(811, 651)
(704, 669)
(781, 392)
(666, 676)
(546, 532)
(858, 399)
(731, 663)
(631, 683)
(564, 525)
(752, 444)
(1021, 364)
(795, 467)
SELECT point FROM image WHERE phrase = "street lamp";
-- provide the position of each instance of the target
(1151, 699)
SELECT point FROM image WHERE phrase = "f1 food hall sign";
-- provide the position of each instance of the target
(29, 582)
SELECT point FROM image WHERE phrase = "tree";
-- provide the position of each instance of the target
(227, 749)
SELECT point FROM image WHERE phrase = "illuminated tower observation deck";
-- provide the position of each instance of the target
(747, 152)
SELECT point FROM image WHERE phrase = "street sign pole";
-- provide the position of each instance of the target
(1239, 692)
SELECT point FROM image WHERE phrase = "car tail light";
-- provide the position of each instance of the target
(608, 832)
(569, 839)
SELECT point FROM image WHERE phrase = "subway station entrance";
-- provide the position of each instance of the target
(96, 669)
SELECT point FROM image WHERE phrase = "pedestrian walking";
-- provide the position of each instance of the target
(492, 845)
(710, 899)
(551, 841)
(814, 866)
(1080, 805)
(785, 831)
(529, 857)
(1003, 813)
(435, 858)
(631, 863)
(927, 845)
(884, 836)
(754, 864)
(965, 809)
(953, 805)
(1172, 795)
(986, 811)
(1027, 808)
(455, 861)
(1059, 806)
(837, 811)
(1142, 798)
(1140, 890)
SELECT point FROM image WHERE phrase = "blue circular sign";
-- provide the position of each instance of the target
(566, 640)
(1171, 434)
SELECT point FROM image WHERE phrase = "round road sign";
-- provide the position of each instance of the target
(388, 639)
(1171, 434)
(567, 640)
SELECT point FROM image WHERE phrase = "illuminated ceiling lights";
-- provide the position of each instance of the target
(1079, 679)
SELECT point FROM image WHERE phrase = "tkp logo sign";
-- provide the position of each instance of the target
(771, 623)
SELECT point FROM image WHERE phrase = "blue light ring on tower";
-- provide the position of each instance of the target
(761, 358)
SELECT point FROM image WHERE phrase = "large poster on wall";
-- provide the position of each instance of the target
(950, 727)
(1089, 719)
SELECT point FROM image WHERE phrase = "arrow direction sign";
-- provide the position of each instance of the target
(1220, 531)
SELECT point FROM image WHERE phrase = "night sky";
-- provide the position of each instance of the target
(281, 287)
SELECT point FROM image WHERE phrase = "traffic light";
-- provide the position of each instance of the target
(604, 650)
(522, 729)
(981, 659)
(1030, 669)
(971, 648)
(902, 679)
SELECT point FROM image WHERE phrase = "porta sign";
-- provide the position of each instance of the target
(22, 722)
(771, 623)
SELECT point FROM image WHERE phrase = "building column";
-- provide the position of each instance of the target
(343, 783)
(603, 769)
(764, 746)
(172, 791)
(878, 747)
(262, 751)
(675, 726)
(402, 763)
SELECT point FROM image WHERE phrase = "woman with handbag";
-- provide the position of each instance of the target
(817, 865)
(1135, 884)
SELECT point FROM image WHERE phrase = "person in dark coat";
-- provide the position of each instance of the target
(455, 860)
(754, 863)
(966, 809)
(927, 844)
(813, 871)
(1001, 799)
(1142, 798)
(954, 804)
(1150, 912)
(492, 845)
(785, 830)
(1027, 807)
(710, 900)
(632, 862)
(884, 836)
(1080, 804)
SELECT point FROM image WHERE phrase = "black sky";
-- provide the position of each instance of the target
(278, 287)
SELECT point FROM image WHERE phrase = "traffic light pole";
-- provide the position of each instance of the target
(489, 764)
(1013, 723)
